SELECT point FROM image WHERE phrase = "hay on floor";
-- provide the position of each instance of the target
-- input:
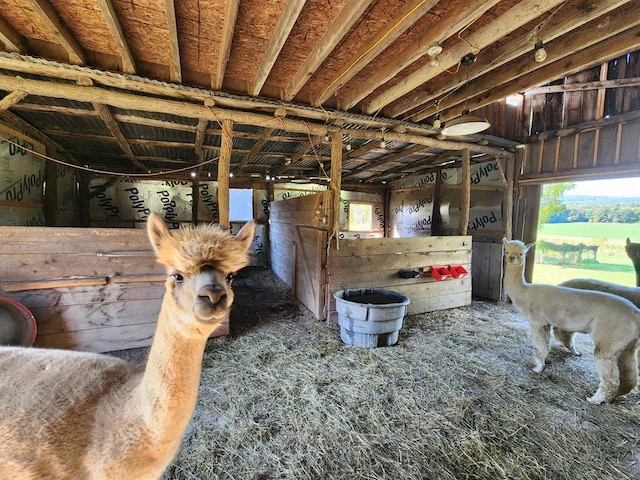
(284, 398)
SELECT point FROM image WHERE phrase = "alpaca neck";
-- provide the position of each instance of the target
(169, 386)
(514, 280)
(636, 267)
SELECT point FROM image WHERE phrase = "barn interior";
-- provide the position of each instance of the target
(387, 144)
(376, 143)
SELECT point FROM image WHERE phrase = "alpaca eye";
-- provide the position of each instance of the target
(229, 278)
(178, 277)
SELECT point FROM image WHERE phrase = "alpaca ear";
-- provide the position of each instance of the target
(504, 240)
(528, 246)
(245, 235)
(156, 230)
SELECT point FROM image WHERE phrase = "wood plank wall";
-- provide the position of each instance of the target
(83, 301)
(375, 262)
(298, 238)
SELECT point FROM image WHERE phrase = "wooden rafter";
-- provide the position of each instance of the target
(584, 86)
(112, 125)
(332, 37)
(416, 50)
(13, 41)
(285, 23)
(58, 28)
(11, 99)
(396, 26)
(175, 68)
(257, 146)
(560, 24)
(113, 24)
(383, 161)
(567, 55)
(519, 15)
(228, 27)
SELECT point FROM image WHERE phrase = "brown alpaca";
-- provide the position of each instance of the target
(633, 251)
(75, 415)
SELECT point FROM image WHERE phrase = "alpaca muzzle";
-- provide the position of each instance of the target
(211, 302)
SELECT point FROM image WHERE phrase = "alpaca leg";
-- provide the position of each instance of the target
(609, 378)
(566, 338)
(628, 367)
(540, 339)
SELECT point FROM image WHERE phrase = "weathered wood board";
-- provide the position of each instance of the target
(298, 238)
(91, 289)
(375, 263)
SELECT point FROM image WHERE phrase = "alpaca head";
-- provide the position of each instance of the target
(633, 250)
(515, 252)
(200, 261)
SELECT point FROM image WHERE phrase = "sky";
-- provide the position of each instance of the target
(620, 187)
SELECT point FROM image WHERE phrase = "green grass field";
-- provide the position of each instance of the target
(611, 264)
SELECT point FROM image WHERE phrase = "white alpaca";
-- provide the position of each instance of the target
(630, 293)
(74, 415)
(612, 322)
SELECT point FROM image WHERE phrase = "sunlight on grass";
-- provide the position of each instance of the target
(611, 263)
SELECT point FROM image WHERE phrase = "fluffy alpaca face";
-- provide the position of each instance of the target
(200, 261)
(515, 251)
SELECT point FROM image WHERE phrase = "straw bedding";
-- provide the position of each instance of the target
(284, 398)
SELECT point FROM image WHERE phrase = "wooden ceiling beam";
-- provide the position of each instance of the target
(129, 101)
(572, 53)
(564, 22)
(64, 36)
(385, 160)
(175, 68)
(417, 49)
(224, 49)
(516, 17)
(113, 24)
(338, 28)
(285, 23)
(13, 41)
(584, 86)
(112, 125)
(404, 18)
(257, 146)
(11, 99)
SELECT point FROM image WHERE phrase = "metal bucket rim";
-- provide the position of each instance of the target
(403, 299)
(25, 314)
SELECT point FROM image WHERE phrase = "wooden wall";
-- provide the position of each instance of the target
(298, 235)
(83, 301)
(375, 262)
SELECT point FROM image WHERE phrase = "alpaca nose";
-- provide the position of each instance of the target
(212, 294)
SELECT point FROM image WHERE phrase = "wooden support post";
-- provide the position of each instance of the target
(51, 195)
(436, 217)
(224, 167)
(336, 177)
(465, 202)
(507, 199)
(195, 199)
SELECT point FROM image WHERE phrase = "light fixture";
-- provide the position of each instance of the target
(540, 53)
(466, 124)
(433, 51)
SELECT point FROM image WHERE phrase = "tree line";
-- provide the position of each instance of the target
(553, 208)
(597, 214)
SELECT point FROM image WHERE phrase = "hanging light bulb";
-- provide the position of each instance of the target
(436, 121)
(540, 53)
(466, 124)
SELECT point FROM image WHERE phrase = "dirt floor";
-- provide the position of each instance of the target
(284, 398)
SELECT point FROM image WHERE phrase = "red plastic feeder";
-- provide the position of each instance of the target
(458, 271)
(440, 272)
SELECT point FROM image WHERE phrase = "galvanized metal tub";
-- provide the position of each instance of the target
(370, 317)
